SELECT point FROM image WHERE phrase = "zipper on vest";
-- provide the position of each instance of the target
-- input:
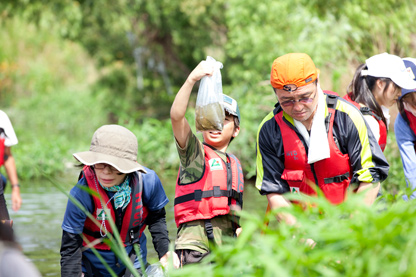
(302, 139)
(314, 174)
(229, 180)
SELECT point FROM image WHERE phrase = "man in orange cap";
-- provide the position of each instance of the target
(313, 141)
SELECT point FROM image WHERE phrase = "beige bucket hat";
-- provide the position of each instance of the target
(114, 145)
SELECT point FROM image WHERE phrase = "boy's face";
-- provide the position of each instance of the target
(220, 139)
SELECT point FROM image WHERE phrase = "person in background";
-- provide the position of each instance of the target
(210, 182)
(12, 261)
(405, 129)
(131, 194)
(313, 140)
(375, 87)
(7, 140)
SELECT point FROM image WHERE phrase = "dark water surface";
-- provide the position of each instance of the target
(38, 223)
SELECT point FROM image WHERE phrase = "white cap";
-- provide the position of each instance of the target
(389, 66)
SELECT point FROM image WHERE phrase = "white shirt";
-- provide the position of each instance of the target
(10, 137)
(373, 124)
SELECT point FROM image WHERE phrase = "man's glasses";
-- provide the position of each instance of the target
(290, 103)
(101, 166)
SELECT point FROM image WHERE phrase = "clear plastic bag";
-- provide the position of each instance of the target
(209, 111)
(155, 270)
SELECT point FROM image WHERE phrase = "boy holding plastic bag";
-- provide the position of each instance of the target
(210, 185)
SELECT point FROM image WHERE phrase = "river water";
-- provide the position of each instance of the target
(37, 224)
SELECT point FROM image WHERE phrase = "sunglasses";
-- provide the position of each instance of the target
(101, 166)
(290, 103)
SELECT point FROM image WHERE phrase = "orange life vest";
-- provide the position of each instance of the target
(331, 175)
(382, 141)
(133, 220)
(221, 185)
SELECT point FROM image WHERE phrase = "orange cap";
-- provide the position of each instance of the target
(294, 68)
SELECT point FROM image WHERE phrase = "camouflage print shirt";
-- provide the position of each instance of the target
(191, 235)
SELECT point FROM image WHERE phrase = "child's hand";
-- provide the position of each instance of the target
(166, 257)
(204, 68)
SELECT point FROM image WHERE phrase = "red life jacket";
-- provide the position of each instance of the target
(330, 92)
(133, 220)
(221, 185)
(411, 120)
(382, 141)
(332, 175)
(2, 147)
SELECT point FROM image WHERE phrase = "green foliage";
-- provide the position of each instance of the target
(156, 144)
(351, 240)
(67, 67)
(38, 67)
(395, 184)
(46, 80)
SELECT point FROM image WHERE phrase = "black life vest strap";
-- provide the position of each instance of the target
(337, 179)
(198, 194)
(97, 235)
(209, 230)
(327, 122)
(368, 111)
(331, 101)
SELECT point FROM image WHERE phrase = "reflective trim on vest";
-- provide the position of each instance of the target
(134, 215)
(212, 194)
(333, 174)
(382, 141)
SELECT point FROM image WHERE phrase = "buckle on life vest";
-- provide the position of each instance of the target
(217, 191)
(198, 195)
(209, 229)
(131, 235)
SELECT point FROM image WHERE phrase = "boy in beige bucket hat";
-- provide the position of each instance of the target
(131, 194)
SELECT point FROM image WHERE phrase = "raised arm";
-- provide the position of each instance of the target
(180, 125)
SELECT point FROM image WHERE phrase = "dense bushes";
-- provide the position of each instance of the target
(351, 240)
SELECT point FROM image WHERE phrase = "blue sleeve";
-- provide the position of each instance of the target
(74, 217)
(154, 196)
(406, 139)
